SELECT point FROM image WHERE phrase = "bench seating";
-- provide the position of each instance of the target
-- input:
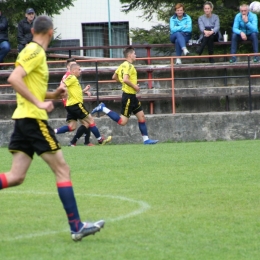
(152, 68)
(151, 94)
(163, 94)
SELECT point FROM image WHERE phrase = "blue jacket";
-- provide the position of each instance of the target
(183, 25)
(250, 27)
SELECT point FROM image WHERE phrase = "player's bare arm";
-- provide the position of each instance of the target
(115, 77)
(130, 84)
(60, 92)
(86, 90)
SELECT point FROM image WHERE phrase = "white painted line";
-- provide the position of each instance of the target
(143, 206)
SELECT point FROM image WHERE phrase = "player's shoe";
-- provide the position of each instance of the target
(89, 228)
(104, 141)
(150, 141)
(89, 144)
(99, 108)
(70, 144)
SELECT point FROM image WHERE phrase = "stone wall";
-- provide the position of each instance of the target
(166, 127)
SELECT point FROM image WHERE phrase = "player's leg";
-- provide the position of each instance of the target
(22, 155)
(82, 114)
(61, 170)
(80, 131)
(126, 110)
(48, 147)
(139, 113)
(66, 128)
(89, 121)
(71, 119)
(87, 137)
(17, 173)
(113, 115)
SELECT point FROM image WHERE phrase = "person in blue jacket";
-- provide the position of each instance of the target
(180, 29)
(245, 28)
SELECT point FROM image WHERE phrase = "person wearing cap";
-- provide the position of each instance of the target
(4, 42)
(24, 35)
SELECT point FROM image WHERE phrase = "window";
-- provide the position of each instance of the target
(97, 34)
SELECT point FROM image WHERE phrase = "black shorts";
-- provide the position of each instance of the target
(75, 112)
(33, 135)
(130, 104)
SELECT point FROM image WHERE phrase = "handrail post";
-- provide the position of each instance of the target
(97, 87)
(150, 86)
(249, 84)
(69, 53)
(172, 80)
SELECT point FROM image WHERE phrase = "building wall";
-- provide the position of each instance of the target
(68, 23)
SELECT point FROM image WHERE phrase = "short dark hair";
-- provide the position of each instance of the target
(70, 60)
(42, 24)
(128, 50)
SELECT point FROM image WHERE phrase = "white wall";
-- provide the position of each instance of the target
(68, 23)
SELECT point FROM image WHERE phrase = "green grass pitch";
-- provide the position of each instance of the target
(197, 200)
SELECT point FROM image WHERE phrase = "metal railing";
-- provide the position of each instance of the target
(171, 61)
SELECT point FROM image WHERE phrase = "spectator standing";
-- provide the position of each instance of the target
(180, 29)
(24, 35)
(245, 27)
(4, 41)
(209, 26)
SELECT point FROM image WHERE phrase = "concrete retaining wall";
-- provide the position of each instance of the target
(167, 127)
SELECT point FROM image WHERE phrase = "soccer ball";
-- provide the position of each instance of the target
(255, 7)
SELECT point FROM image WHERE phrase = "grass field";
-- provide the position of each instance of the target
(167, 201)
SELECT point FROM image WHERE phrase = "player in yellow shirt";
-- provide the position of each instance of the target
(75, 107)
(127, 75)
(82, 130)
(32, 133)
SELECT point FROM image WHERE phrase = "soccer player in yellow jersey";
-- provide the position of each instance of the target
(82, 130)
(127, 75)
(75, 107)
(32, 133)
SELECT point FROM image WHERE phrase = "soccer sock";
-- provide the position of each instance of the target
(106, 110)
(114, 116)
(143, 130)
(63, 129)
(80, 131)
(87, 135)
(95, 131)
(68, 200)
(3, 181)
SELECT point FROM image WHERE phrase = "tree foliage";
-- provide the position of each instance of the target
(14, 11)
(164, 9)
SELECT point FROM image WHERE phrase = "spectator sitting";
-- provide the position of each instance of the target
(4, 42)
(245, 27)
(24, 35)
(180, 28)
(209, 27)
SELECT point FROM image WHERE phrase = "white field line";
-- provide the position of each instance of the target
(143, 206)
